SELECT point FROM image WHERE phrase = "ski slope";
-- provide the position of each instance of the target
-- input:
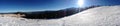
(99, 16)
(12, 21)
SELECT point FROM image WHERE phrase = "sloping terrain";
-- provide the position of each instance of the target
(99, 16)
(11, 21)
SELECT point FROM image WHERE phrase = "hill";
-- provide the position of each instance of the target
(99, 16)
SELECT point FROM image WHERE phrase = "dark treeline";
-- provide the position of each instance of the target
(53, 14)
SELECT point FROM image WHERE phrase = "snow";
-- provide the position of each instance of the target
(99, 16)
(10, 21)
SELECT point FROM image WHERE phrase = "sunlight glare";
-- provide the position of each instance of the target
(80, 3)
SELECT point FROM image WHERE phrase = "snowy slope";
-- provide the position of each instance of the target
(11, 21)
(99, 16)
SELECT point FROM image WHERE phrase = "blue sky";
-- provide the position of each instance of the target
(101, 2)
(35, 5)
(41, 5)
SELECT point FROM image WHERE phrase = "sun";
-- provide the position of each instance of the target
(80, 3)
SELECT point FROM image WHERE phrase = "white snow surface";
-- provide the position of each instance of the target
(99, 16)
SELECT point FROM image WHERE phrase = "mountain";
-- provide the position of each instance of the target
(98, 16)
(53, 14)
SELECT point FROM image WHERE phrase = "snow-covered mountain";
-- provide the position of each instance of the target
(98, 16)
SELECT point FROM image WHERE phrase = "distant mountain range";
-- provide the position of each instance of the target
(52, 14)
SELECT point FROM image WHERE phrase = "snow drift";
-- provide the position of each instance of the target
(99, 16)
